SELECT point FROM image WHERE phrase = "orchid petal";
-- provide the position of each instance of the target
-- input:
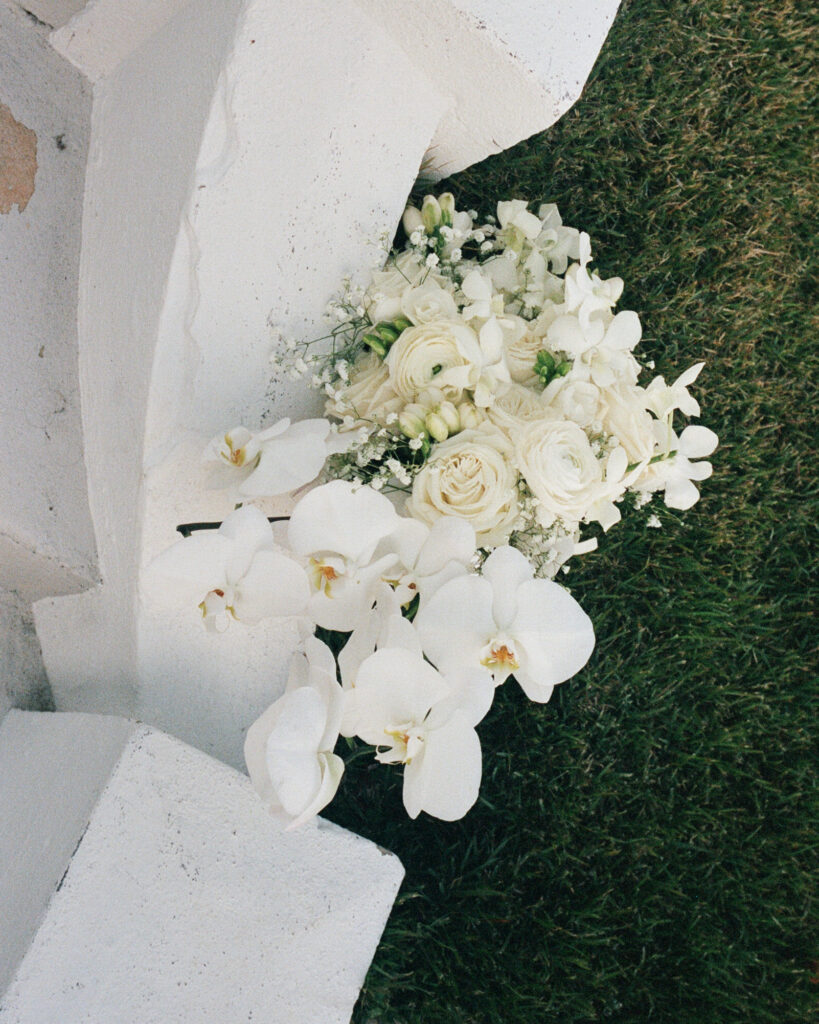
(553, 633)
(506, 569)
(274, 585)
(449, 539)
(625, 331)
(445, 779)
(332, 769)
(456, 623)
(338, 517)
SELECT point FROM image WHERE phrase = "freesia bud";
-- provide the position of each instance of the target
(411, 421)
(436, 425)
(430, 213)
(375, 343)
(412, 220)
(447, 204)
(449, 414)
(469, 416)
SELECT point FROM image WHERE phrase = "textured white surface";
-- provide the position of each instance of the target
(46, 536)
(52, 771)
(509, 68)
(185, 901)
(250, 209)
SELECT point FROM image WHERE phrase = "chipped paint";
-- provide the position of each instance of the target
(18, 162)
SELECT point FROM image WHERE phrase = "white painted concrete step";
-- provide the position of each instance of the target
(142, 882)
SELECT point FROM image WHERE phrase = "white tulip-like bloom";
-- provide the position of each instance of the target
(675, 474)
(274, 461)
(508, 622)
(336, 528)
(417, 718)
(428, 556)
(289, 749)
(235, 572)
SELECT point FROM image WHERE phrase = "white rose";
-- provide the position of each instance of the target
(369, 396)
(515, 406)
(444, 354)
(575, 400)
(472, 476)
(521, 347)
(564, 474)
(428, 302)
(383, 298)
(623, 413)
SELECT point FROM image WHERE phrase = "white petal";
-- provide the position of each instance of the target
(445, 780)
(625, 331)
(506, 569)
(680, 493)
(457, 623)
(338, 517)
(393, 688)
(350, 599)
(274, 585)
(188, 570)
(249, 531)
(289, 460)
(696, 442)
(688, 376)
(472, 693)
(554, 635)
(332, 768)
(449, 539)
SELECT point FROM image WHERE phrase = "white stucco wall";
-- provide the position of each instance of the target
(47, 543)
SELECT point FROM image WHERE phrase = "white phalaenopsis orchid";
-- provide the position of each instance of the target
(289, 749)
(428, 556)
(336, 528)
(507, 622)
(235, 572)
(274, 461)
(417, 718)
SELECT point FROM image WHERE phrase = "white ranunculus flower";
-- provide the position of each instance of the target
(522, 347)
(383, 298)
(235, 572)
(368, 397)
(624, 415)
(289, 749)
(575, 400)
(428, 302)
(570, 483)
(515, 405)
(472, 476)
(444, 354)
(336, 529)
(507, 622)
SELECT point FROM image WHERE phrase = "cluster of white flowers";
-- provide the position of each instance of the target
(429, 639)
(484, 377)
(494, 381)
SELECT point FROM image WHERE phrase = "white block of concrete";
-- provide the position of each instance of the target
(174, 896)
(510, 68)
(279, 168)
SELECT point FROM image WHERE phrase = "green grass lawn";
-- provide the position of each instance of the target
(644, 847)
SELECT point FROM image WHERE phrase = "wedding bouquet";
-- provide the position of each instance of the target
(483, 385)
